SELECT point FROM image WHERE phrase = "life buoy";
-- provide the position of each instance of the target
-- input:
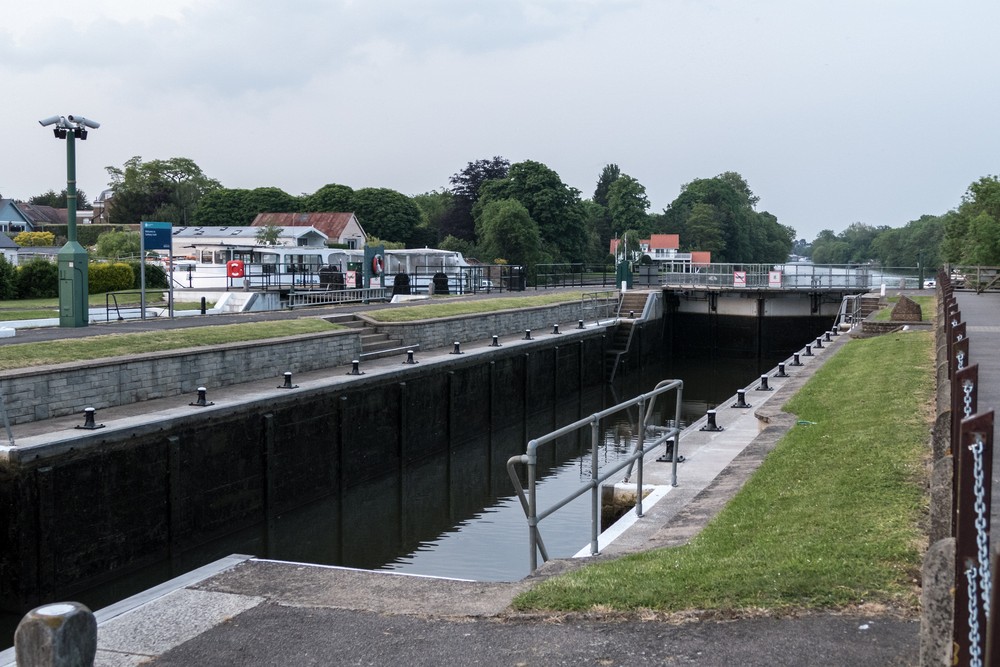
(234, 268)
(377, 265)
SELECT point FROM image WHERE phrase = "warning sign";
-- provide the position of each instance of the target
(739, 278)
(774, 278)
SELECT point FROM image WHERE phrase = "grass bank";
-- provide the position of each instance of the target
(928, 306)
(450, 307)
(22, 355)
(833, 517)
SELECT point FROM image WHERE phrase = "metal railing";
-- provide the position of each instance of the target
(529, 503)
(331, 297)
(771, 276)
(850, 310)
(599, 305)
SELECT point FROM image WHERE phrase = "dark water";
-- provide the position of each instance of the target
(457, 516)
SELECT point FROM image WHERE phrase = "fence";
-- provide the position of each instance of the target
(965, 435)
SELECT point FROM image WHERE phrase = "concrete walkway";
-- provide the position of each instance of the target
(247, 611)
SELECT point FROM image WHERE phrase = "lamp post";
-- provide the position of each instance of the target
(74, 309)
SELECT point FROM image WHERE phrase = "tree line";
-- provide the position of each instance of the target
(491, 209)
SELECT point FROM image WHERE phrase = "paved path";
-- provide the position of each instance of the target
(981, 313)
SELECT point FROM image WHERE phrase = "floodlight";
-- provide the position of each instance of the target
(80, 120)
(51, 120)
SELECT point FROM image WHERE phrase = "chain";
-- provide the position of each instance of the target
(958, 338)
(982, 536)
(967, 388)
(974, 659)
(961, 360)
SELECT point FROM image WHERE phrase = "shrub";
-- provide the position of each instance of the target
(105, 277)
(38, 279)
(156, 275)
(35, 239)
(8, 280)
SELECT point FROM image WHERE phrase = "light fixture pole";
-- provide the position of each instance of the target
(74, 306)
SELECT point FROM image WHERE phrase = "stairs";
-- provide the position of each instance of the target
(630, 310)
(632, 305)
(869, 304)
(373, 344)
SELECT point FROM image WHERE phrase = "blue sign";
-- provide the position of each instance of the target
(156, 235)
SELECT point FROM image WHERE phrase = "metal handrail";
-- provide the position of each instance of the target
(850, 310)
(326, 297)
(529, 503)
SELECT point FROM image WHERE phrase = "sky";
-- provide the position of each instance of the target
(872, 111)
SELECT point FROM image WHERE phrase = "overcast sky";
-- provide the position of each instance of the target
(874, 111)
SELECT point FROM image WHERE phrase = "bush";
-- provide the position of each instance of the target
(38, 279)
(156, 275)
(35, 239)
(8, 280)
(106, 277)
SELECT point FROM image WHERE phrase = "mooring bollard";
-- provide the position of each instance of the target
(202, 398)
(356, 368)
(631, 314)
(288, 382)
(204, 306)
(781, 371)
(668, 453)
(827, 337)
(763, 384)
(89, 422)
(555, 328)
(710, 425)
(741, 399)
(409, 357)
(496, 342)
(808, 352)
(527, 334)
(56, 635)
(835, 331)
(458, 348)
(579, 324)
(795, 360)
(819, 343)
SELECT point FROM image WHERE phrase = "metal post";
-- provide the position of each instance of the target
(595, 495)
(74, 308)
(638, 447)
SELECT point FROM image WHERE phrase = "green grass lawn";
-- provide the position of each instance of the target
(451, 307)
(831, 519)
(22, 355)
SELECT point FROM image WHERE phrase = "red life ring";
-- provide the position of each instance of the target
(234, 268)
(377, 265)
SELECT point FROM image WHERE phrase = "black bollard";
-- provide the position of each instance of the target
(89, 423)
(819, 343)
(781, 371)
(668, 454)
(204, 305)
(827, 338)
(763, 384)
(409, 357)
(555, 328)
(808, 352)
(458, 348)
(631, 314)
(710, 425)
(356, 368)
(496, 342)
(288, 382)
(835, 331)
(795, 360)
(579, 324)
(741, 399)
(202, 402)
(527, 334)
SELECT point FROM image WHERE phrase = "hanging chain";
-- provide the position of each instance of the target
(974, 651)
(982, 536)
(958, 338)
(961, 360)
(967, 388)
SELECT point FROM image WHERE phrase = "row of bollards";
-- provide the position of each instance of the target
(90, 413)
(711, 419)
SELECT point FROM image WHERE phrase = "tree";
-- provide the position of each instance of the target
(54, 200)
(268, 235)
(223, 207)
(554, 206)
(506, 230)
(609, 175)
(704, 229)
(466, 187)
(114, 245)
(164, 190)
(627, 205)
(386, 213)
(269, 200)
(966, 234)
(331, 198)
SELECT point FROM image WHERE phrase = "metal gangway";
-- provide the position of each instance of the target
(659, 435)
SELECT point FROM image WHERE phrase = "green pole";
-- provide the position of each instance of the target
(74, 309)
